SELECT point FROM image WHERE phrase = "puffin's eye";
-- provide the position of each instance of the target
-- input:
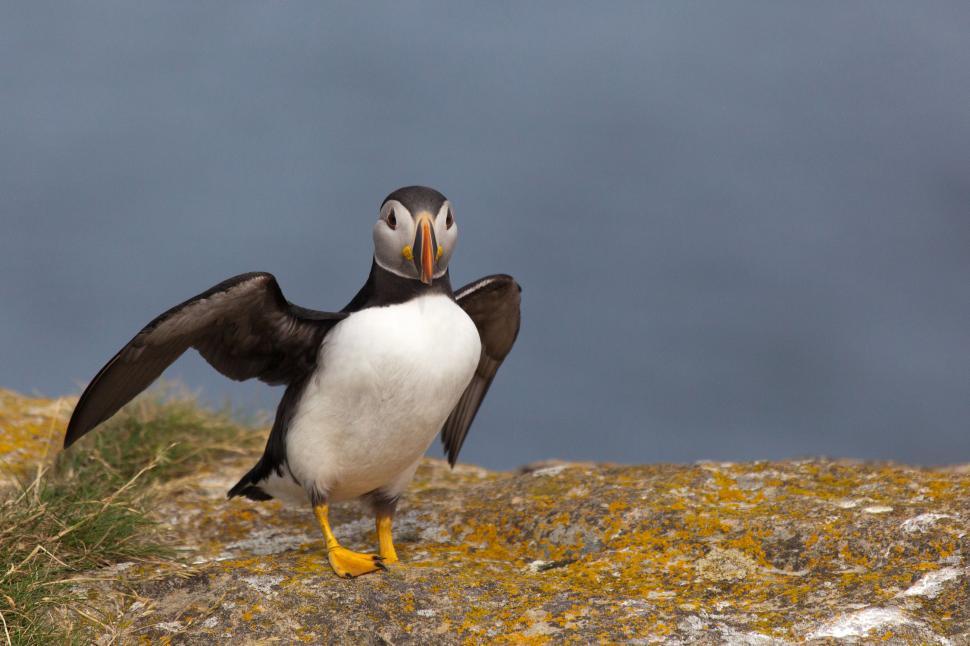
(391, 219)
(450, 220)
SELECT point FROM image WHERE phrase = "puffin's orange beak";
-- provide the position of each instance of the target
(427, 255)
(425, 246)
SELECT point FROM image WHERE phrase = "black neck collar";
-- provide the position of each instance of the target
(386, 288)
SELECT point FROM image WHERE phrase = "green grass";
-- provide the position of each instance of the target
(91, 509)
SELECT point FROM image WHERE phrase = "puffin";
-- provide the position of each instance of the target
(367, 387)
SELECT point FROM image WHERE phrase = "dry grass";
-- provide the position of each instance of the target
(91, 508)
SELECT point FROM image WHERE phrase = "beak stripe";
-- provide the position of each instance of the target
(427, 256)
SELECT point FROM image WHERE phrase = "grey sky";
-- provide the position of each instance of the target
(742, 229)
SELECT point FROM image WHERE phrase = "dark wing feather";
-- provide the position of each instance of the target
(243, 327)
(493, 304)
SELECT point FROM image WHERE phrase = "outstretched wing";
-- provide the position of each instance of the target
(243, 327)
(493, 304)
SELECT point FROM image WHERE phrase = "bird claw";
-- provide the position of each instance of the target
(348, 564)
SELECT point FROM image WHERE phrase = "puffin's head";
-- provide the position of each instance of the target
(415, 234)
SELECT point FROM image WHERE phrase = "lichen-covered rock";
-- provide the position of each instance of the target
(31, 429)
(752, 553)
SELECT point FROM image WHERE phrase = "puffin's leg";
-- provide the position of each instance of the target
(346, 563)
(384, 514)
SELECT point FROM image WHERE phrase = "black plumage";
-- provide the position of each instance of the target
(243, 327)
(493, 304)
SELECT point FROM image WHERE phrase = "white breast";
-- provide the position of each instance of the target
(388, 379)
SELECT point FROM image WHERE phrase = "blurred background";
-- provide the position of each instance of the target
(742, 229)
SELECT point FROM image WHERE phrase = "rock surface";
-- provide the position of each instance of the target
(752, 553)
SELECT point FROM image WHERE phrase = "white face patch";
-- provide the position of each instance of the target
(394, 235)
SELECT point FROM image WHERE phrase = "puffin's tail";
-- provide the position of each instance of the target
(248, 486)
(274, 456)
